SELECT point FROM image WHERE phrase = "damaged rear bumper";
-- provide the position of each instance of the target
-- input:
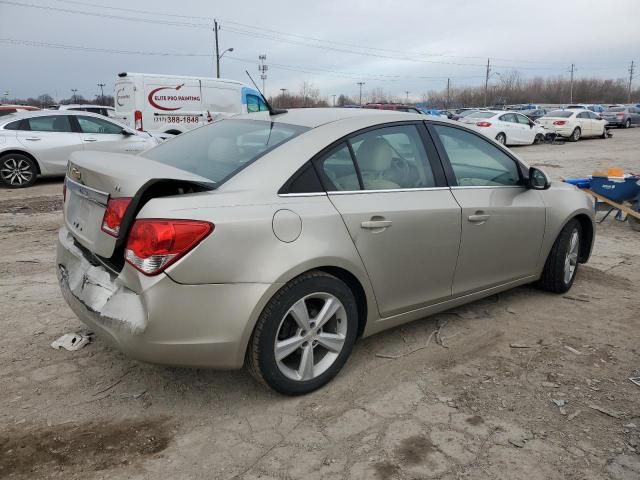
(162, 321)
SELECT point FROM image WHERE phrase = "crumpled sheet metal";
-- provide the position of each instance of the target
(100, 293)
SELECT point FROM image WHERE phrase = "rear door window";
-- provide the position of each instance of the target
(52, 123)
(392, 158)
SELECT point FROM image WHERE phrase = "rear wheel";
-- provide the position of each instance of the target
(575, 136)
(17, 170)
(562, 263)
(304, 335)
(501, 138)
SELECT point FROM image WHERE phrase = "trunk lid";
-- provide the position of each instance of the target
(95, 177)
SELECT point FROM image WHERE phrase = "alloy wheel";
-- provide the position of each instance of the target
(310, 337)
(571, 260)
(16, 171)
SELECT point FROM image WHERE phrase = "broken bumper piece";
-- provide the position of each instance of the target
(157, 320)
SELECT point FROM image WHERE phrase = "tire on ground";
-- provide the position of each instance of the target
(552, 278)
(261, 361)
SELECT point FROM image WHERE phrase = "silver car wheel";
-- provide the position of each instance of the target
(16, 172)
(571, 260)
(310, 336)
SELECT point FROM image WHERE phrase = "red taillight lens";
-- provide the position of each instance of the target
(560, 122)
(483, 124)
(137, 117)
(114, 214)
(153, 244)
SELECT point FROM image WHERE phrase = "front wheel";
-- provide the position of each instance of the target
(539, 139)
(562, 263)
(627, 124)
(501, 138)
(575, 136)
(17, 170)
(304, 335)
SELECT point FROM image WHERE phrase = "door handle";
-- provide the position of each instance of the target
(33, 139)
(90, 139)
(376, 224)
(478, 218)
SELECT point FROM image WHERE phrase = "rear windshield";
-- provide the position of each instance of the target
(616, 109)
(559, 114)
(467, 113)
(481, 115)
(220, 150)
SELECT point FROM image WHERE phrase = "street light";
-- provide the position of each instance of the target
(74, 90)
(220, 56)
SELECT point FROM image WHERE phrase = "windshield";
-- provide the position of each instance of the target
(616, 109)
(220, 150)
(481, 115)
(559, 114)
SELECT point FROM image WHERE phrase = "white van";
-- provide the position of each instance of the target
(175, 104)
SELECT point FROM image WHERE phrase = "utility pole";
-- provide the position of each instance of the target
(573, 69)
(283, 91)
(448, 92)
(407, 94)
(101, 85)
(334, 99)
(262, 68)
(631, 72)
(486, 81)
(360, 84)
(74, 90)
(215, 31)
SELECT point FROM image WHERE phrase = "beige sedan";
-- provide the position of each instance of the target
(278, 240)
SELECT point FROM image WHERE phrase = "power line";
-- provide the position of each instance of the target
(31, 43)
(264, 36)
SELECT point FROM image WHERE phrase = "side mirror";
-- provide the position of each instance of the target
(538, 180)
(127, 133)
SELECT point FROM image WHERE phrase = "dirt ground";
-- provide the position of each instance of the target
(477, 406)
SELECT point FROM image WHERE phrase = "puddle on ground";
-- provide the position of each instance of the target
(92, 446)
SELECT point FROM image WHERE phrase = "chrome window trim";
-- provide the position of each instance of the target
(309, 194)
(91, 194)
(389, 190)
(464, 187)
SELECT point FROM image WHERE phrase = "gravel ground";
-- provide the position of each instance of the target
(477, 406)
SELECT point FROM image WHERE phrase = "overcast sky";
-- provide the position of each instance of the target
(410, 45)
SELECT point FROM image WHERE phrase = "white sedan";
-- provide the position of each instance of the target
(39, 143)
(574, 124)
(507, 128)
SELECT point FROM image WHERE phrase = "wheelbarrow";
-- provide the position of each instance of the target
(619, 194)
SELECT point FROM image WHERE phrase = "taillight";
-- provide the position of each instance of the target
(114, 214)
(137, 117)
(559, 122)
(483, 124)
(620, 114)
(155, 244)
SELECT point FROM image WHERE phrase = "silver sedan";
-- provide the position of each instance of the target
(277, 241)
(39, 143)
